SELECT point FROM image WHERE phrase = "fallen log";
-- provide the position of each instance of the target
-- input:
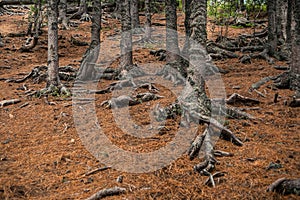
(9, 102)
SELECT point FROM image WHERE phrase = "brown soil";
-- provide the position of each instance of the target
(42, 156)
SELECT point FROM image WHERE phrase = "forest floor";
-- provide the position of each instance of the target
(43, 157)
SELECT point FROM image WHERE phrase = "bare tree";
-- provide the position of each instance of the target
(87, 69)
(126, 38)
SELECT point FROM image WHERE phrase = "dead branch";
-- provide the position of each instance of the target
(97, 170)
(285, 186)
(9, 102)
(107, 192)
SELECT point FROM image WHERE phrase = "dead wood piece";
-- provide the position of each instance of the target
(34, 73)
(107, 192)
(285, 186)
(9, 102)
(97, 170)
(5, 67)
(233, 49)
(259, 93)
(236, 113)
(237, 98)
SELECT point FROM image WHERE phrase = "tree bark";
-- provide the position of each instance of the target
(87, 68)
(126, 38)
(148, 20)
(295, 63)
(171, 32)
(289, 22)
(63, 14)
(272, 34)
(135, 20)
(53, 59)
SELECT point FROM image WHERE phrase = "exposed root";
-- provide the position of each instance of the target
(210, 181)
(107, 192)
(237, 98)
(285, 186)
(125, 100)
(172, 74)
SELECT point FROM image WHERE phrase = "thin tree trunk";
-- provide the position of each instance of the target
(63, 14)
(171, 32)
(126, 38)
(135, 20)
(53, 60)
(272, 34)
(148, 20)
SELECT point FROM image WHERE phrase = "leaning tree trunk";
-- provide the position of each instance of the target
(171, 32)
(272, 34)
(87, 69)
(148, 20)
(126, 38)
(53, 62)
(63, 14)
(295, 63)
(135, 20)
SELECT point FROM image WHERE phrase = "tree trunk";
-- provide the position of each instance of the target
(148, 20)
(87, 68)
(197, 50)
(53, 60)
(171, 32)
(63, 14)
(126, 38)
(289, 23)
(272, 34)
(135, 20)
(295, 63)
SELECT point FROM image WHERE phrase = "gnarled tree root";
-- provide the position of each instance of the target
(285, 186)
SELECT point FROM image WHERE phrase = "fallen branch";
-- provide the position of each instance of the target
(9, 102)
(97, 170)
(107, 192)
